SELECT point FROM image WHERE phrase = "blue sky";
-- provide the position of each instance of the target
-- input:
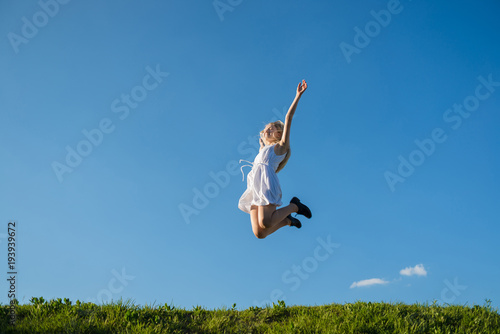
(122, 124)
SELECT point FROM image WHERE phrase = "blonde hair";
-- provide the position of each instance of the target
(280, 126)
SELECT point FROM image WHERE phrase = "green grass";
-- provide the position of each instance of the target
(58, 316)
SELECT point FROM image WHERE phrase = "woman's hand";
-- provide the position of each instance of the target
(261, 141)
(301, 88)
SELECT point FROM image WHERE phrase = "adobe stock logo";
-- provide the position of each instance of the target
(115, 286)
(95, 137)
(297, 274)
(372, 29)
(427, 146)
(222, 6)
(30, 28)
(452, 291)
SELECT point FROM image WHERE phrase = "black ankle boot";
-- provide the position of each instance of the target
(303, 209)
(294, 221)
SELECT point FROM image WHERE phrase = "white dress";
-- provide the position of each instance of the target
(263, 186)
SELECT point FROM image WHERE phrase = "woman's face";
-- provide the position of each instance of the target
(271, 133)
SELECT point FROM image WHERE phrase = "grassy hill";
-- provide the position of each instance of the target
(58, 316)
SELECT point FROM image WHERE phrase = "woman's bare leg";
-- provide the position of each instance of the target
(274, 228)
(254, 218)
(267, 220)
(269, 216)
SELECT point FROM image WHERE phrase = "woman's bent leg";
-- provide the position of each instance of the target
(269, 216)
(274, 228)
(265, 219)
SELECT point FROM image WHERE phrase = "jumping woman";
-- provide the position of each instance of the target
(263, 193)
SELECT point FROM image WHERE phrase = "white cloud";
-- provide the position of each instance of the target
(418, 270)
(368, 282)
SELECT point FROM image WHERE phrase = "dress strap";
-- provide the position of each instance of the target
(241, 168)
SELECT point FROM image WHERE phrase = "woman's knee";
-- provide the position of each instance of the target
(259, 233)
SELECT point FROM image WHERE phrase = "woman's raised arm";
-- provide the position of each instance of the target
(285, 138)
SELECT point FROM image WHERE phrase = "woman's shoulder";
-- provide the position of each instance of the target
(280, 149)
